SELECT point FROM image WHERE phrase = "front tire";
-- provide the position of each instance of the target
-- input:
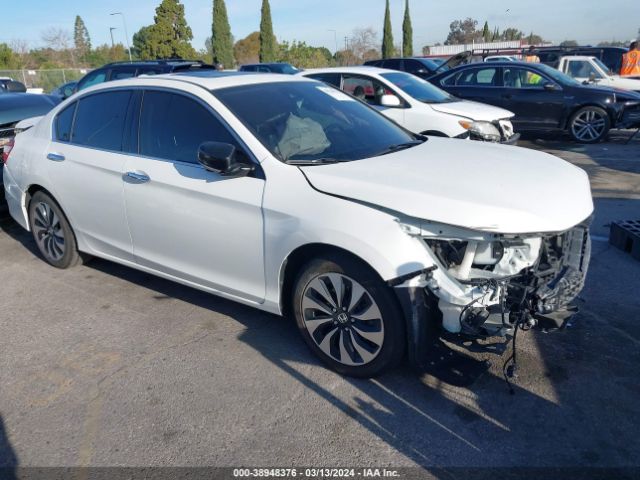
(589, 125)
(348, 316)
(52, 233)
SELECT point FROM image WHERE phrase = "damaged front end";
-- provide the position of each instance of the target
(485, 285)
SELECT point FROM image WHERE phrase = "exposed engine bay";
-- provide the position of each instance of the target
(530, 280)
(490, 285)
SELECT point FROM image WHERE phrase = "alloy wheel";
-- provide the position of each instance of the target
(343, 319)
(589, 125)
(48, 232)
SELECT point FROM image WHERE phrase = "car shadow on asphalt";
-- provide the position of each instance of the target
(8, 457)
(455, 412)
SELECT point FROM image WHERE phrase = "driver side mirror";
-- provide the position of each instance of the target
(221, 158)
(390, 101)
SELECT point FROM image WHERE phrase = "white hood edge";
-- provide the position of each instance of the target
(473, 110)
(473, 185)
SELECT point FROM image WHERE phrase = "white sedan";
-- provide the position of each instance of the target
(420, 106)
(290, 196)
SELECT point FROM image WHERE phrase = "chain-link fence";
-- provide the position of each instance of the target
(47, 79)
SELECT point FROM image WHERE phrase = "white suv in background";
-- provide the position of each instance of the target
(290, 196)
(420, 106)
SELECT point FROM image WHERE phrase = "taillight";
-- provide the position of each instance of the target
(7, 145)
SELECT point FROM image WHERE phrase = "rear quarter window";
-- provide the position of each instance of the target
(64, 122)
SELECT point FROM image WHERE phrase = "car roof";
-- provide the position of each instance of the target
(208, 79)
(362, 69)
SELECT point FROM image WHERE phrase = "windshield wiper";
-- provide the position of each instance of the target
(314, 161)
(400, 146)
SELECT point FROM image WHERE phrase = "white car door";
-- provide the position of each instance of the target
(86, 164)
(186, 221)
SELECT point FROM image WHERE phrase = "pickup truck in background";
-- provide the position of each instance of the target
(591, 70)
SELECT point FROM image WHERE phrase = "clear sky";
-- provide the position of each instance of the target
(587, 21)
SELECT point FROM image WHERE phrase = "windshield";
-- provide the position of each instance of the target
(311, 121)
(558, 76)
(417, 88)
(602, 66)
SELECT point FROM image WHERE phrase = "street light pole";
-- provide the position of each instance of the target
(126, 33)
(335, 39)
(111, 29)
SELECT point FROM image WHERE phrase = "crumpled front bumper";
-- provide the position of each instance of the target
(552, 286)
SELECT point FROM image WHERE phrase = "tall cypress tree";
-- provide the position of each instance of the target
(387, 36)
(407, 33)
(486, 34)
(221, 39)
(81, 39)
(268, 44)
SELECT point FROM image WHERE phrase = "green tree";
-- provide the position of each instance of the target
(170, 35)
(268, 43)
(462, 32)
(140, 39)
(387, 35)
(247, 50)
(221, 40)
(486, 34)
(407, 32)
(8, 59)
(106, 54)
(496, 35)
(301, 55)
(569, 43)
(81, 39)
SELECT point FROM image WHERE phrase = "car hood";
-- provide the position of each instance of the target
(480, 186)
(473, 110)
(18, 106)
(626, 83)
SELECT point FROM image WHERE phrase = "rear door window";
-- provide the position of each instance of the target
(173, 127)
(100, 120)
(478, 77)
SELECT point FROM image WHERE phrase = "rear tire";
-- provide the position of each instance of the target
(52, 232)
(348, 316)
(589, 125)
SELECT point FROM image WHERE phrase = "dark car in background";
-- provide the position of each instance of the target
(15, 107)
(121, 70)
(544, 99)
(285, 68)
(420, 67)
(424, 68)
(9, 85)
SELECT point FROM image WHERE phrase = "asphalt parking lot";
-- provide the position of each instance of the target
(103, 365)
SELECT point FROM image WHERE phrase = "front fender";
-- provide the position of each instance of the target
(373, 235)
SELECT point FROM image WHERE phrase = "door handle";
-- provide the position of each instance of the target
(56, 157)
(508, 96)
(138, 177)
